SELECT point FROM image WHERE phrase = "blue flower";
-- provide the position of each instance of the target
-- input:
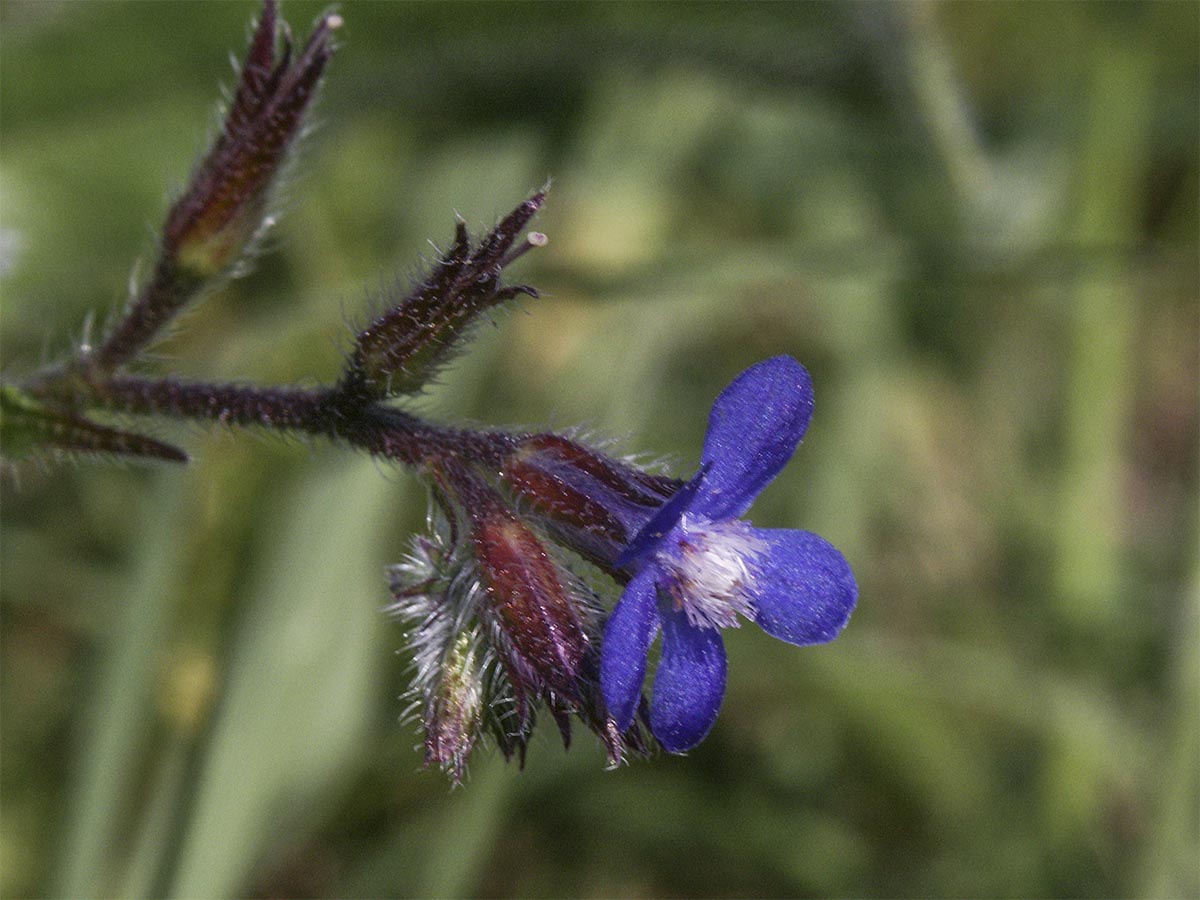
(696, 566)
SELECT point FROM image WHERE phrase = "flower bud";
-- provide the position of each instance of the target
(453, 716)
(595, 503)
(498, 632)
(224, 208)
(402, 349)
(436, 593)
(533, 610)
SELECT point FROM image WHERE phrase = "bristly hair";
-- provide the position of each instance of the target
(463, 688)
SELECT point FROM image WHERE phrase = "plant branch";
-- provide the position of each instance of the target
(219, 218)
(169, 289)
(325, 412)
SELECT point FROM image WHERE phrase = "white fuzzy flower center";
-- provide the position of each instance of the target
(711, 568)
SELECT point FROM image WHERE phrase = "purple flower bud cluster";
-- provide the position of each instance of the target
(502, 591)
(500, 628)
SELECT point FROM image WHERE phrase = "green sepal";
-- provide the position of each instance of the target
(33, 429)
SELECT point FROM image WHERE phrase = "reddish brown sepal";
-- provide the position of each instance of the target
(403, 348)
(592, 502)
(534, 610)
(553, 496)
(627, 481)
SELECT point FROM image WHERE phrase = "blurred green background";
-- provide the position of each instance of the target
(976, 224)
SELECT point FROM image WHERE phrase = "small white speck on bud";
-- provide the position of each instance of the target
(532, 241)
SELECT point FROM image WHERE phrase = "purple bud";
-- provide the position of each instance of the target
(402, 349)
(224, 208)
(534, 611)
(595, 503)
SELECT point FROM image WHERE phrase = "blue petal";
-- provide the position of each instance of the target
(753, 430)
(630, 631)
(689, 684)
(804, 589)
(651, 534)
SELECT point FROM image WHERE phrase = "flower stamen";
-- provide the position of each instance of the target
(711, 570)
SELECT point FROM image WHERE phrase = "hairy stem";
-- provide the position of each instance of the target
(325, 411)
(165, 294)
(276, 408)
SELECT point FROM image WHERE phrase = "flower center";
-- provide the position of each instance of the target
(710, 564)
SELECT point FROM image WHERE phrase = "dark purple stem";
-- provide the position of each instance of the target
(168, 291)
(326, 412)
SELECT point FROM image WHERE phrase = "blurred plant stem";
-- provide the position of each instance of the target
(943, 103)
(116, 725)
(1101, 366)
(1172, 834)
(298, 650)
(159, 831)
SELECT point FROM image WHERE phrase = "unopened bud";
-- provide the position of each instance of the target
(526, 594)
(453, 714)
(217, 219)
(595, 502)
(402, 349)
(435, 594)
